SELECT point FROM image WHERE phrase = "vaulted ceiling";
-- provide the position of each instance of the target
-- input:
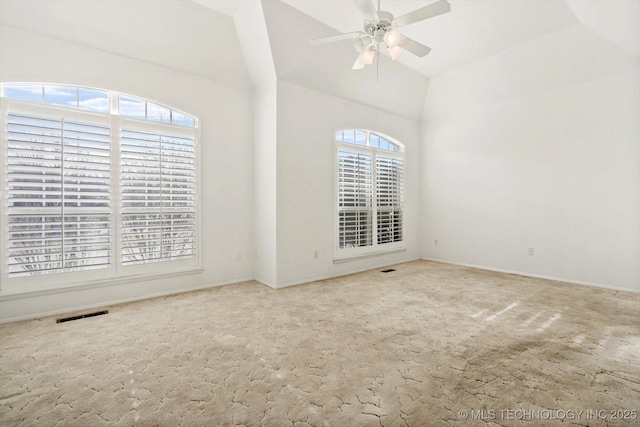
(206, 41)
(473, 29)
(148, 30)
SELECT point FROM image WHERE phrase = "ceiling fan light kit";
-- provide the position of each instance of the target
(381, 27)
(394, 51)
(367, 56)
(391, 38)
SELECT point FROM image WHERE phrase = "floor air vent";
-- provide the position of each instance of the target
(82, 316)
(389, 270)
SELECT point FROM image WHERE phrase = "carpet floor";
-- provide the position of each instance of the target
(429, 344)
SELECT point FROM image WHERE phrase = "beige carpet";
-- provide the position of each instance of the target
(429, 344)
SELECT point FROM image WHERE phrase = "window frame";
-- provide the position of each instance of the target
(40, 280)
(116, 272)
(346, 254)
(147, 268)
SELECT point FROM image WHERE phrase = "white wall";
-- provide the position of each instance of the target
(306, 199)
(295, 204)
(254, 40)
(537, 147)
(265, 185)
(226, 114)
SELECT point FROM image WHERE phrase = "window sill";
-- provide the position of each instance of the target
(13, 294)
(357, 257)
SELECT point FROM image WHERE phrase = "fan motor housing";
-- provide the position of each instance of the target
(376, 30)
(385, 18)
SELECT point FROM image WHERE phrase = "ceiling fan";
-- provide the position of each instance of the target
(381, 26)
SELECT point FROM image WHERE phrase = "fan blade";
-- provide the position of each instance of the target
(413, 46)
(367, 9)
(337, 37)
(434, 9)
(358, 65)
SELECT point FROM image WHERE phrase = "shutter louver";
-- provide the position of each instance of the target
(389, 190)
(140, 193)
(58, 195)
(158, 197)
(355, 194)
(178, 197)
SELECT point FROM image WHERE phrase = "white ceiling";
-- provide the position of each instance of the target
(226, 7)
(204, 41)
(474, 28)
(148, 30)
(328, 68)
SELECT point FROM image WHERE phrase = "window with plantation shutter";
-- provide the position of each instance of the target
(389, 190)
(370, 191)
(95, 190)
(355, 199)
(58, 182)
(158, 197)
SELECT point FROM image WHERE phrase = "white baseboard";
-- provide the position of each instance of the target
(72, 309)
(265, 282)
(537, 276)
(84, 307)
(342, 274)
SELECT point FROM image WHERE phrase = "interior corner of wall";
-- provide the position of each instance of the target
(254, 41)
(617, 22)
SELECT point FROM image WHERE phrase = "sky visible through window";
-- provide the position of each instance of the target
(359, 137)
(97, 100)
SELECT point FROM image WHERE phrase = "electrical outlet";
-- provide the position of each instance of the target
(435, 242)
(530, 251)
(315, 254)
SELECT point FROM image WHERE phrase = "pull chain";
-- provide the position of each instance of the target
(378, 54)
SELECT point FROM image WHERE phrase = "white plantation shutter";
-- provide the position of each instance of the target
(178, 197)
(158, 197)
(389, 188)
(355, 195)
(58, 197)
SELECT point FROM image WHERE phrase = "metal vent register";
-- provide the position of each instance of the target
(82, 316)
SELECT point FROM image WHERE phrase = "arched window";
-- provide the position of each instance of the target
(99, 185)
(370, 193)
